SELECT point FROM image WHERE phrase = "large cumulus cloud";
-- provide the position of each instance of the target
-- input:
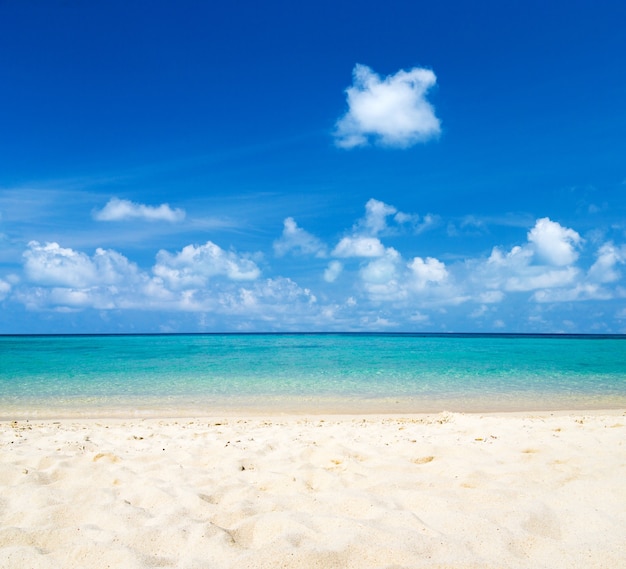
(392, 111)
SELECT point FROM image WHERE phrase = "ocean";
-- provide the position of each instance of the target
(206, 374)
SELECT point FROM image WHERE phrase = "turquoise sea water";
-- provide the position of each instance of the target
(204, 374)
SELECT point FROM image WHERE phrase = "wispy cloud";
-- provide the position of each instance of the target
(376, 214)
(296, 240)
(381, 218)
(5, 287)
(121, 210)
(604, 270)
(392, 111)
(333, 271)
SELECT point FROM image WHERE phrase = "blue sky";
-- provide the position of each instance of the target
(315, 166)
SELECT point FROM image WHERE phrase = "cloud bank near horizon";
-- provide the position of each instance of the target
(361, 282)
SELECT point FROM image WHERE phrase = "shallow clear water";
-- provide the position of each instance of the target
(351, 372)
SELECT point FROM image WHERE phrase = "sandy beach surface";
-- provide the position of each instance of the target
(443, 490)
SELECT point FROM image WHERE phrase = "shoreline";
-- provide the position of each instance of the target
(298, 408)
(232, 417)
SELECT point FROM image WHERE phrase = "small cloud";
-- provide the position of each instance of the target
(120, 210)
(491, 297)
(296, 239)
(419, 317)
(383, 278)
(359, 247)
(472, 222)
(479, 312)
(541, 278)
(381, 218)
(402, 218)
(470, 225)
(379, 322)
(392, 111)
(5, 287)
(376, 213)
(333, 270)
(604, 269)
(452, 230)
(427, 271)
(554, 243)
(382, 270)
(428, 222)
(581, 291)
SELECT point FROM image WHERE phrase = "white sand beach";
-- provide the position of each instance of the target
(446, 490)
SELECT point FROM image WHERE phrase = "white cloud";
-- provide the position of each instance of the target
(295, 238)
(390, 279)
(376, 213)
(392, 111)
(429, 271)
(380, 277)
(514, 272)
(53, 265)
(268, 298)
(61, 278)
(517, 257)
(333, 271)
(5, 288)
(274, 303)
(378, 323)
(383, 269)
(547, 266)
(376, 220)
(545, 261)
(420, 318)
(119, 210)
(603, 270)
(553, 243)
(534, 278)
(428, 222)
(479, 312)
(64, 277)
(491, 297)
(359, 247)
(194, 265)
(224, 288)
(65, 280)
(581, 291)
